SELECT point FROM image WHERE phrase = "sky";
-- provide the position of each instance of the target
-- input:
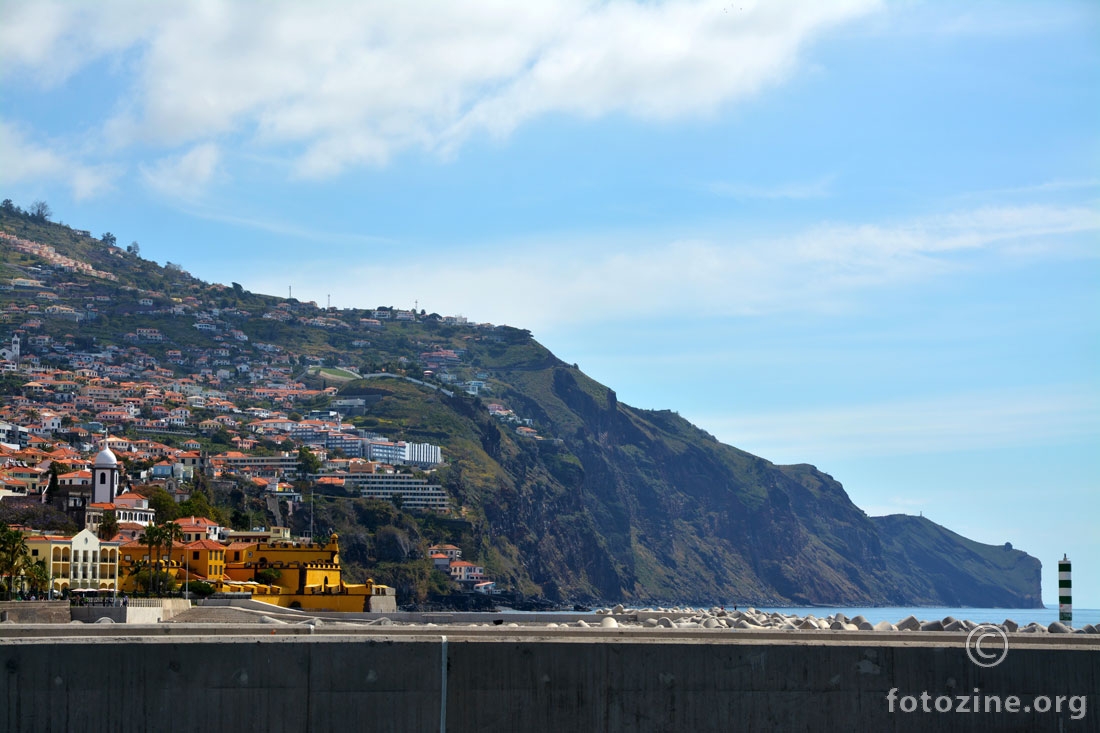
(863, 235)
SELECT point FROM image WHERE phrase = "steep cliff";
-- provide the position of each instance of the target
(620, 503)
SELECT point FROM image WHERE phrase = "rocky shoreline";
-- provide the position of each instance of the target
(752, 619)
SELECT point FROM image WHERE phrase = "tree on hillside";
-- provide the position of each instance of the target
(199, 506)
(108, 526)
(7, 206)
(40, 211)
(134, 249)
(307, 462)
(108, 239)
(163, 504)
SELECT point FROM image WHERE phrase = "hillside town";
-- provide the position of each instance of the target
(103, 433)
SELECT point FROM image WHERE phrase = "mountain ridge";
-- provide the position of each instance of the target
(605, 501)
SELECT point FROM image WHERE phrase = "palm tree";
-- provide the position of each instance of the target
(173, 533)
(153, 537)
(108, 525)
(13, 554)
(38, 578)
(137, 569)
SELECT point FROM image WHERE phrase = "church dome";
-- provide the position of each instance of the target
(106, 459)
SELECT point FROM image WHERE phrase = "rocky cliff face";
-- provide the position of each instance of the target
(621, 503)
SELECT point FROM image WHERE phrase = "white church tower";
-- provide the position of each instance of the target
(11, 354)
(105, 477)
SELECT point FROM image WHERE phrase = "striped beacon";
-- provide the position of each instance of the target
(1065, 590)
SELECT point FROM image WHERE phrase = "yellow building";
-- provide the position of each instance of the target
(200, 560)
(301, 575)
(80, 562)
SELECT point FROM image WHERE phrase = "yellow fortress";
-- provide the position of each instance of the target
(306, 575)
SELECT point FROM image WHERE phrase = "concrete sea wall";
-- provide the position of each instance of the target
(38, 612)
(186, 678)
(136, 611)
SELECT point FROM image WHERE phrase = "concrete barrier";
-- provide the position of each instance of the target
(35, 612)
(520, 680)
(134, 611)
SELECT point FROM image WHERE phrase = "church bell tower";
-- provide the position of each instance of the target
(105, 477)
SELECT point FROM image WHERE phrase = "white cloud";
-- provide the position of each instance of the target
(556, 282)
(184, 176)
(22, 159)
(52, 40)
(343, 84)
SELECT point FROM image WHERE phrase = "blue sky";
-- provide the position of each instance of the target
(855, 234)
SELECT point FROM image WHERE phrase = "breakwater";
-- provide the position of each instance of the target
(326, 677)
